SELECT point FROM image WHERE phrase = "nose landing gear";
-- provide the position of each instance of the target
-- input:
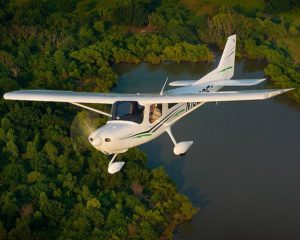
(114, 167)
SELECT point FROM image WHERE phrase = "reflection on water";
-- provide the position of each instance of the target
(243, 169)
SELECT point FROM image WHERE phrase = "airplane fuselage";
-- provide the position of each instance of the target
(117, 136)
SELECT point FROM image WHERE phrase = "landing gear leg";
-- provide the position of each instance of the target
(114, 167)
(180, 148)
(171, 135)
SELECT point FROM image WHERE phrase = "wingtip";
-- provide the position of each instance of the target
(281, 91)
(10, 95)
(14, 95)
(232, 36)
(6, 96)
(261, 80)
(288, 89)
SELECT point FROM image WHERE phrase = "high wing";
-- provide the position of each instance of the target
(110, 98)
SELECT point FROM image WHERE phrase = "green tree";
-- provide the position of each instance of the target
(3, 233)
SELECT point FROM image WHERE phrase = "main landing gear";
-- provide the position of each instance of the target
(180, 148)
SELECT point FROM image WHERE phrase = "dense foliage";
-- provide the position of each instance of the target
(259, 37)
(51, 190)
(277, 6)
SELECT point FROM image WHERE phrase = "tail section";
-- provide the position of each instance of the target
(226, 65)
(225, 69)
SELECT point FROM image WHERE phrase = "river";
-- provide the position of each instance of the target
(243, 170)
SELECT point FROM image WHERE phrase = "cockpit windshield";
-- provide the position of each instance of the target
(128, 111)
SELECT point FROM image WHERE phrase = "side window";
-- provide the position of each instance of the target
(170, 105)
(123, 109)
(128, 111)
(155, 112)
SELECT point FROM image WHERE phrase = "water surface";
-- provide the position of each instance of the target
(243, 170)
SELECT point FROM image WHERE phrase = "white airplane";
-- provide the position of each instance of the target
(139, 118)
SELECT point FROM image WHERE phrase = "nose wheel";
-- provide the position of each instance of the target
(114, 167)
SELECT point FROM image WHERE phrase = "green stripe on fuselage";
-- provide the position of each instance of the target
(149, 134)
(176, 114)
(143, 135)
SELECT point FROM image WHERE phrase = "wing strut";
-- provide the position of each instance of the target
(91, 109)
(168, 130)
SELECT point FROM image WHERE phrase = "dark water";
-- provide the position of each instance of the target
(243, 170)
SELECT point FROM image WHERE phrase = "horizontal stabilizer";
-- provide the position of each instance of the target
(237, 82)
(110, 98)
(182, 83)
(221, 83)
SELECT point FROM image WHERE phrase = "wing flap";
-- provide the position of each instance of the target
(225, 96)
(110, 98)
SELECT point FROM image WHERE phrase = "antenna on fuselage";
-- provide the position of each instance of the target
(162, 90)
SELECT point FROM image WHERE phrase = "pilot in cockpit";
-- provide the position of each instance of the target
(155, 113)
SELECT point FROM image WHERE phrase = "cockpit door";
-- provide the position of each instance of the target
(128, 111)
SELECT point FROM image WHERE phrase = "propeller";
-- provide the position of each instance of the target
(82, 126)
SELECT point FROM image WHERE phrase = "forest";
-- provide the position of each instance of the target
(53, 190)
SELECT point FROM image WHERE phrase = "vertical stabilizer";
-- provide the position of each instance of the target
(226, 65)
(225, 69)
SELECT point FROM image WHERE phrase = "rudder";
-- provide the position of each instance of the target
(225, 69)
(226, 64)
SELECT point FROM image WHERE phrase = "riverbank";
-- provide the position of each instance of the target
(243, 166)
(73, 46)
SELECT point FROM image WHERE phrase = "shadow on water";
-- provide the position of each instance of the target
(288, 102)
(163, 156)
